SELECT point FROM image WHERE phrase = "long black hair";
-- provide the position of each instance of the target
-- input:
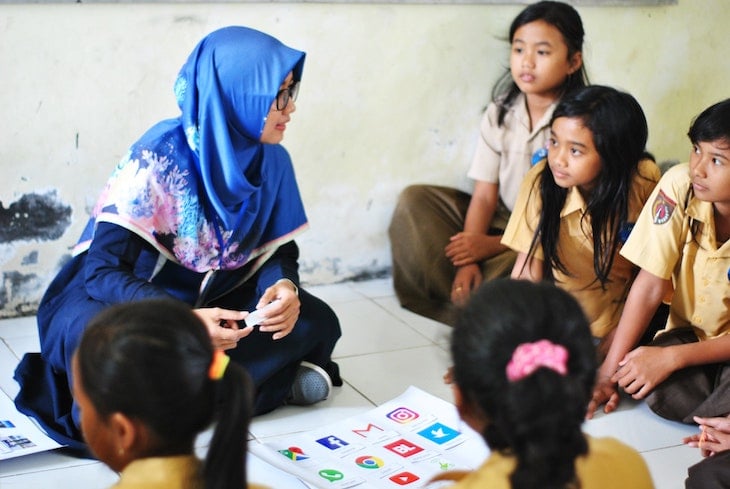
(150, 360)
(566, 20)
(537, 419)
(620, 131)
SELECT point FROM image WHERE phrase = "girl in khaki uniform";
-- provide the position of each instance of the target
(576, 208)
(148, 381)
(444, 241)
(524, 367)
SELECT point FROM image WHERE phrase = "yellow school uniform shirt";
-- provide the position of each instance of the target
(609, 464)
(179, 472)
(663, 244)
(602, 307)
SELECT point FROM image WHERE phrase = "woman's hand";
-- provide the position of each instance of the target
(223, 326)
(282, 309)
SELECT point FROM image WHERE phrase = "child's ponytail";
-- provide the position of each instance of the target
(153, 360)
(225, 466)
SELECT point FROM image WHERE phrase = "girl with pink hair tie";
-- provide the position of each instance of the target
(524, 368)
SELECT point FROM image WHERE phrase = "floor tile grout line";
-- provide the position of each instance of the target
(396, 350)
(367, 398)
(401, 320)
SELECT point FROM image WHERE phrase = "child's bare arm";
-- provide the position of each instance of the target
(527, 268)
(714, 350)
(644, 298)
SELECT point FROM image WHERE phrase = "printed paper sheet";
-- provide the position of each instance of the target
(19, 435)
(400, 444)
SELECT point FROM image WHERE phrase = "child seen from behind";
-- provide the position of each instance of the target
(524, 367)
(148, 381)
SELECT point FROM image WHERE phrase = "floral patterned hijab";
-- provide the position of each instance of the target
(202, 188)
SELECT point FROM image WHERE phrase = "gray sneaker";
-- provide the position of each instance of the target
(311, 384)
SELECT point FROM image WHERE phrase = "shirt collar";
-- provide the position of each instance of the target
(574, 202)
(520, 107)
(700, 210)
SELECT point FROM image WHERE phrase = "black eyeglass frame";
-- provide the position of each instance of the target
(287, 94)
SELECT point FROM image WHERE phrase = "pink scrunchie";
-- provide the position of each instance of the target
(528, 357)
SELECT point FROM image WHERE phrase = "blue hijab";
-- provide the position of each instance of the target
(202, 188)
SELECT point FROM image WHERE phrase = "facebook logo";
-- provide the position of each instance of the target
(332, 442)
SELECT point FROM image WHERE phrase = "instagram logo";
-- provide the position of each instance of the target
(402, 415)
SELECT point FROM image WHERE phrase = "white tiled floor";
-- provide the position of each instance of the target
(384, 349)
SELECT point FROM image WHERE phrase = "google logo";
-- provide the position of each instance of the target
(369, 462)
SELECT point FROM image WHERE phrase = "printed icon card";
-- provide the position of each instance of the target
(403, 443)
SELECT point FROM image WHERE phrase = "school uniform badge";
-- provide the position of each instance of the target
(662, 208)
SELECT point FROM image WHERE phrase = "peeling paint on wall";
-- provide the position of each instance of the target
(18, 294)
(34, 217)
(30, 259)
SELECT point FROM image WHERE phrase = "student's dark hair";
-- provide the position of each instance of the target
(620, 131)
(537, 418)
(150, 361)
(566, 20)
(712, 124)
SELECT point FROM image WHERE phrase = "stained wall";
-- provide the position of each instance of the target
(392, 95)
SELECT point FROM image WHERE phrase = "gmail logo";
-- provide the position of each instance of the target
(365, 432)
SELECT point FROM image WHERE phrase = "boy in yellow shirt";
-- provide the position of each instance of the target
(681, 241)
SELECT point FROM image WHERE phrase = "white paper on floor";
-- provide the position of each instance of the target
(19, 435)
(404, 442)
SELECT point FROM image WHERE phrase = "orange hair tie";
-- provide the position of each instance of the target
(218, 365)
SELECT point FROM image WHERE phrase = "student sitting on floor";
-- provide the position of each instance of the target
(148, 381)
(524, 367)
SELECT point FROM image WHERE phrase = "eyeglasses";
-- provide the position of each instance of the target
(287, 94)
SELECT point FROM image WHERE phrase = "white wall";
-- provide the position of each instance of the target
(391, 95)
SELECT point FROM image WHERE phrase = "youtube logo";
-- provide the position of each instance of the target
(404, 478)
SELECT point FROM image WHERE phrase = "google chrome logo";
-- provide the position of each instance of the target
(369, 462)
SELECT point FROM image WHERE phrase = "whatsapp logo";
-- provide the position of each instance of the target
(331, 475)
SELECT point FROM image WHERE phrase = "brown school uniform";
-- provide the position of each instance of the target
(674, 238)
(426, 216)
(575, 248)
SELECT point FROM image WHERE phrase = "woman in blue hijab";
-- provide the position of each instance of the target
(204, 208)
